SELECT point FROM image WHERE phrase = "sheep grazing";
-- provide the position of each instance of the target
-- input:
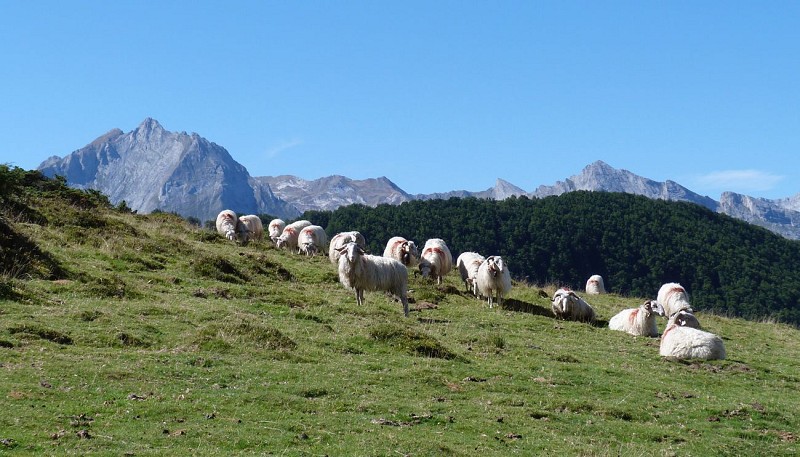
(595, 286)
(401, 249)
(249, 229)
(311, 240)
(226, 224)
(361, 271)
(639, 321)
(686, 318)
(681, 342)
(290, 233)
(673, 297)
(569, 306)
(340, 239)
(436, 260)
(493, 278)
(275, 228)
(467, 264)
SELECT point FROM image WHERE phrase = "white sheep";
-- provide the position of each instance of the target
(673, 297)
(687, 319)
(290, 233)
(275, 228)
(681, 342)
(639, 321)
(226, 224)
(567, 304)
(467, 264)
(340, 239)
(595, 286)
(401, 249)
(361, 271)
(493, 278)
(249, 229)
(311, 240)
(436, 260)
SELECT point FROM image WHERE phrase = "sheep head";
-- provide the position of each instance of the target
(351, 251)
(652, 306)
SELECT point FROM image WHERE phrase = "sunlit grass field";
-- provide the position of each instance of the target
(169, 340)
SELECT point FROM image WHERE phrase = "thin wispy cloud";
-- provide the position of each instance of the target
(740, 180)
(281, 147)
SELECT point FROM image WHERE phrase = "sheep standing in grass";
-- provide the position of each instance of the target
(673, 297)
(340, 239)
(401, 249)
(311, 240)
(249, 229)
(569, 306)
(639, 321)
(493, 278)
(436, 260)
(467, 264)
(681, 342)
(595, 286)
(361, 271)
(275, 228)
(290, 233)
(226, 224)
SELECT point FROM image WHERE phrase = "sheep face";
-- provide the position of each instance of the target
(652, 306)
(351, 251)
(495, 265)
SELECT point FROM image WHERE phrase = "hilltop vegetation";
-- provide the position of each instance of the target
(636, 244)
(124, 334)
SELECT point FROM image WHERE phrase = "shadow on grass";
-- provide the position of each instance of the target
(511, 304)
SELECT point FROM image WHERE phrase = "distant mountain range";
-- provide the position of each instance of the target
(151, 168)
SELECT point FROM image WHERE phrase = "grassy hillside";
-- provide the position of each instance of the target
(123, 334)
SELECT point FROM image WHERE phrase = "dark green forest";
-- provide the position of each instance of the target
(728, 266)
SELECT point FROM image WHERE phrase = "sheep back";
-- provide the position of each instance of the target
(312, 239)
(275, 228)
(290, 233)
(402, 250)
(673, 297)
(436, 260)
(226, 224)
(467, 264)
(595, 285)
(340, 239)
(690, 343)
(249, 228)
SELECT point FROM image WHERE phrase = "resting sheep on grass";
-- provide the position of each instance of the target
(467, 264)
(673, 297)
(595, 286)
(361, 271)
(311, 240)
(275, 228)
(340, 239)
(249, 229)
(226, 224)
(493, 279)
(569, 306)
(401, 249)
(436, 260)
(290, 233)
(639, 321)
(681, 342)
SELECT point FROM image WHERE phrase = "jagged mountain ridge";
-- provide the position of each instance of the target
(151, 169)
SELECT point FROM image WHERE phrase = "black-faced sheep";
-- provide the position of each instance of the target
(275, 229)
(312, 239)
(436, 260)
(249, 229)
(290, 233)
(340, 239)
(467, 264)
(568, 305)
(493, 280)
(360, 271)
(226, 224)
(401, 249)
(639, 321)
(681, 342)
(595, 286)
(673, 297)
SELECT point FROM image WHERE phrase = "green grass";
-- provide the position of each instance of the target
(159, 339)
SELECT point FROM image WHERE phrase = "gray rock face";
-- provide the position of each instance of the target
(775, 215)
(599, 176)
(151, 169)
(332, 192)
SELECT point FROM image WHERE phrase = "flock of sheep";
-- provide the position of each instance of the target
(487, 277)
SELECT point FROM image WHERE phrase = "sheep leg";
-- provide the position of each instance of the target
(405, 305)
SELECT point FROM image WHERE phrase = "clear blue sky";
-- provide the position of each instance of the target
(434, 95)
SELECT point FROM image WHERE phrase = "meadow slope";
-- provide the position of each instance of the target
(155, 337)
